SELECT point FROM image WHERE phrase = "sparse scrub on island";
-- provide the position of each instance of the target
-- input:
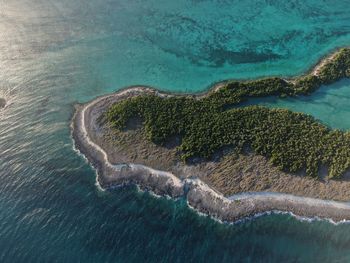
(292, 141)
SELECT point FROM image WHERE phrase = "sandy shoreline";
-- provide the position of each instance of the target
(313, 71)
(85, 131)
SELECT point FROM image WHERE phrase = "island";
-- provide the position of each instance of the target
(227, 160)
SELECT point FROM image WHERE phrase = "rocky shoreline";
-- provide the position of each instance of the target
(87, 133)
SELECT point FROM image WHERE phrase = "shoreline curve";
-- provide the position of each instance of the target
(198, 195)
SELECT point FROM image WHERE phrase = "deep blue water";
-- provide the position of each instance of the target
(54, 53)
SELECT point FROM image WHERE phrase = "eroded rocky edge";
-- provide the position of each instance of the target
(88, 135)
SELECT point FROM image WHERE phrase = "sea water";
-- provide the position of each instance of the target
(54, 53)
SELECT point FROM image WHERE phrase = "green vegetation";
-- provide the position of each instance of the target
(292, 141)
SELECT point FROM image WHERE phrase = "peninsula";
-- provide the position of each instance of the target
(227, 160)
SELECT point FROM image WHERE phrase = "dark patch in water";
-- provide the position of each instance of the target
(221, 56)
(202, 44)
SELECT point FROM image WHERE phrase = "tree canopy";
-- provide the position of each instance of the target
(292, 141)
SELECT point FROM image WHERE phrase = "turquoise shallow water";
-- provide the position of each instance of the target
(55, 53)
(328, 104)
